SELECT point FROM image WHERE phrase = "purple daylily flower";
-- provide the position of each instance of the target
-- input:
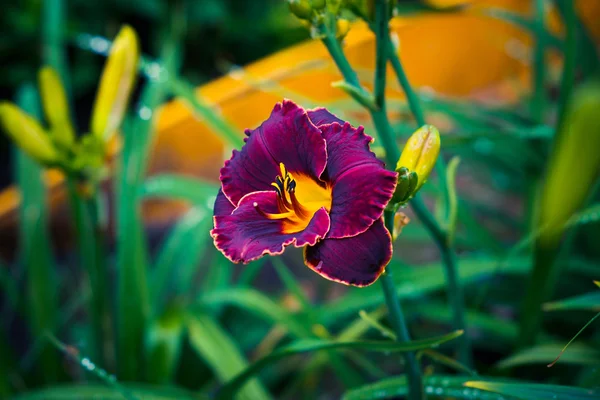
(308, 179)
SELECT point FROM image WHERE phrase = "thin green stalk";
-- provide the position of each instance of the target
(380, 120)
(539, 67)
(415, 108)
(455, 292)
(386, 135)
(90, 234)
(413, 373)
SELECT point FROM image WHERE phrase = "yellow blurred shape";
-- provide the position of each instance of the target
(56, 107)
(574, 163)
(26, 133)
(116, 84)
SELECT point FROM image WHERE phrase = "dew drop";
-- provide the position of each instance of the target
(145, 113)
(87, 364)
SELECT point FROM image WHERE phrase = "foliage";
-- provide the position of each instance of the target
(493, 274)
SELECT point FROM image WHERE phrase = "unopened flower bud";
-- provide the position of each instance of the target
(301, 8)
(116, 84)
(420, 153)
(342, 27)
(27, 134)
(56, 107)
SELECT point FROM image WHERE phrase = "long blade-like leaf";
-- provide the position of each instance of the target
(308, 345)
(221, 353)
(534, 391)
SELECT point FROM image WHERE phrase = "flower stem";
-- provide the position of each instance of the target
(455, 293)
(90, 236)
(413, 373)
(386, 135)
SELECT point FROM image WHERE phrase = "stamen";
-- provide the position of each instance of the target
(272, 216)
(282, 169)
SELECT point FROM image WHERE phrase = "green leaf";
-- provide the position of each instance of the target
(260, 305)
(35, 250)
(535, 391)
(181, 187)
(436, 386)
(179, 255)
(163, 343)
(578, 354)
(309, 345)
(588, 301)
(452, 199)
(93, 392)
(447, 361)
(221, 353)
(133, 304)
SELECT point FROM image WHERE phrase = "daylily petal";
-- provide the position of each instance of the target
(287, 137)
(357, 260)
(362, 187)
(320, 116)
(246, 235)
(222, 205)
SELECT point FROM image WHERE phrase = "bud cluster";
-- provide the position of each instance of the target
(57, 145)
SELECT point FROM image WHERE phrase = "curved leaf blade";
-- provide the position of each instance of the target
(308, 345)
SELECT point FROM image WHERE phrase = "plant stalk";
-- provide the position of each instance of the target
(413, 372)
(387, 136)
(440, 235)
(90, 234)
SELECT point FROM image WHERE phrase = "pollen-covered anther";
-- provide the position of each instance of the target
(270, 215)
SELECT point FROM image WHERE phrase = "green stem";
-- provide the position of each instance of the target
(90, 235)
(415, 107)
(413, 373)
(455, 292)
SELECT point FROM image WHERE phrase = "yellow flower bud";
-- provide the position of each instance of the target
(56, 107)
(420, 153)
(116, 84)
(574, 162)
(342, 27)
(27, 133)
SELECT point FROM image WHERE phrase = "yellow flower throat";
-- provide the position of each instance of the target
(298, 198)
